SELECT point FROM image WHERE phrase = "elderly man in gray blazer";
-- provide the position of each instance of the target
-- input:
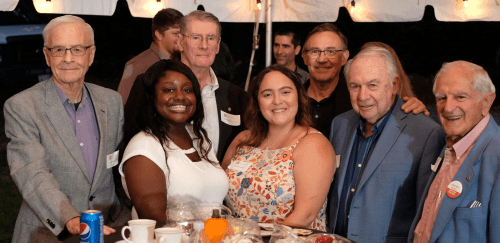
(63, 136)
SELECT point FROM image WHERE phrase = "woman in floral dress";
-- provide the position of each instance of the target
(280, 169)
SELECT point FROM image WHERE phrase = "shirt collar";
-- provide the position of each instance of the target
(214, 82)
(379, 126)
(162, 55)
(64, 98)
(332, 95)
(464, 143)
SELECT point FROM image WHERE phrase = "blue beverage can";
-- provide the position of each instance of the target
(91, 227)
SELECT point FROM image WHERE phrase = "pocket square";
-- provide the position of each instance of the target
(475, 204)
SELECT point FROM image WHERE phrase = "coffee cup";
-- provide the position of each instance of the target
(170, 235)
(141, 231)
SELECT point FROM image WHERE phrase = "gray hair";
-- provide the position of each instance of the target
(390, 63)
(481, 81)
(66, 19)
(201, 16)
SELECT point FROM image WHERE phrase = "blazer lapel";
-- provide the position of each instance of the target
(59, 119)
(448, 205)
(345, 140)
(221, 101)
(100, 114)
(393, 128)
(349, 137)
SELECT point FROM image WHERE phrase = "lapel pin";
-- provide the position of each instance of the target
(454, 189)
(468, 178)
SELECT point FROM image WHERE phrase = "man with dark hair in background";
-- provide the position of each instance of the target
(286, 46)
(165, 33)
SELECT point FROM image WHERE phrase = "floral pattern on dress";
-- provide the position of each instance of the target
(265, 192)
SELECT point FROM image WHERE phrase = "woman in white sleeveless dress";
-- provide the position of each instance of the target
(168, 156)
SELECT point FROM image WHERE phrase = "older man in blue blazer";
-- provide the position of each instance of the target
(461, 202)
(384, 155)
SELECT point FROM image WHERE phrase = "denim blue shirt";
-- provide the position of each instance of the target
(84, 124)
(360, 153)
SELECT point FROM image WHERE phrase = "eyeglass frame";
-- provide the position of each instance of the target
(201, 41)
(324, 52)
(85, 48)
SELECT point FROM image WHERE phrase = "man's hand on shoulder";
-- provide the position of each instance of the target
(415, 105)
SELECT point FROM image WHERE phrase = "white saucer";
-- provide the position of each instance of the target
(267, 226)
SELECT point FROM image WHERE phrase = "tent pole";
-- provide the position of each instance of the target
(269, 23)
(255, 46)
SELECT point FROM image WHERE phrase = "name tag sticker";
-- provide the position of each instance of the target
(435, 166)
(112, 159)
(239, 165)
(230, 119)
(337, 157)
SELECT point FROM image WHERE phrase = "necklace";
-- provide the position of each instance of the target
(280, 139)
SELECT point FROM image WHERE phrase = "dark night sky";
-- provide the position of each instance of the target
(422, 46)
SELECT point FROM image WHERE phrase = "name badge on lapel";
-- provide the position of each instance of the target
(239, 166)
(230, 119)
(112, 159)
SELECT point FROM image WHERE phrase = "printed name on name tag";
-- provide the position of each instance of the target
(239, 165)
(112, 159)
(230, 119)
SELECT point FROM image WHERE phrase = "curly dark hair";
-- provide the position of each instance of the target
(140, 110)
(257, 125)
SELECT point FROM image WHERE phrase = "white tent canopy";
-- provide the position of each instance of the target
(284, 10)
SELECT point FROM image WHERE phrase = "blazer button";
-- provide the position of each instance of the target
(468, 178)
(52, 225)
(91, 198)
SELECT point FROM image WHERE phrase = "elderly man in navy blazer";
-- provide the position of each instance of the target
(384, 155)
(63, 136)
(462, 200)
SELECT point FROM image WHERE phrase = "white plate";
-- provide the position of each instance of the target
(267, 226)
(301, 231)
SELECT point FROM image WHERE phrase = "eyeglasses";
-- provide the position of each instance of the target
(198, 39)
(59, 51)
(329, 53)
